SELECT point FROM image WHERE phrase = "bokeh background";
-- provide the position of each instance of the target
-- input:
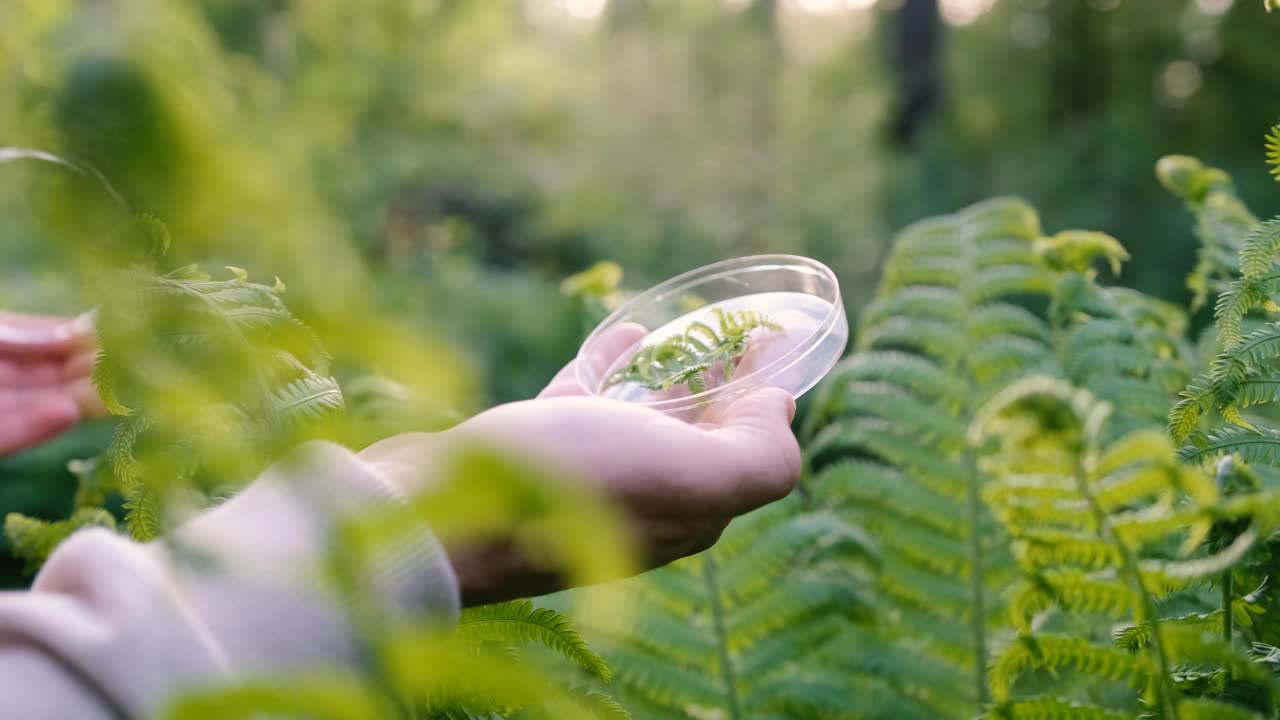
(449, 163)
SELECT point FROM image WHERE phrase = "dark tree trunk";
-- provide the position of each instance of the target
(917, 58)
(1078, 62)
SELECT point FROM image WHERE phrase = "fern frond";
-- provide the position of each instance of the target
(882, 489)
(1002, 356)
(304, 401)
(1137, 637)
(878, 438)
(120, 454)
(807, 596)
(1001, 217)
(940, 270)
(1260, 445)
(1051, 708)
(655, 678)
(105, 378)
(913, 373)
(885, 401)
(1077, 250)
(1069, 590)
(942, 303)
(518, 622)
(1273, 141)
(1056, 652)
(747, 575)
(1199, 396)
(143, 513)
(1259, 250)
(998, 318)
(34, 540)
(1004, 280)
(827, 697)
(934, 338)
(1047, 548)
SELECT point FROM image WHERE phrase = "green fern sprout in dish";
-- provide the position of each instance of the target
(683, 358)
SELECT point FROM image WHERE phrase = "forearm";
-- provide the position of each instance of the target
(234, 592)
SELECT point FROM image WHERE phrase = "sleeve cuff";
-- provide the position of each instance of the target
(252, 568)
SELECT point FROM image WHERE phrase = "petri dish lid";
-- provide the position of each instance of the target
(791, 303)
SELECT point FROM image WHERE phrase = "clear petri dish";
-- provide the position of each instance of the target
(720, 332)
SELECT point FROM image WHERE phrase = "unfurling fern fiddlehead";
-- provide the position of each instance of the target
(1241, 376)
(685, 358)
(1094, 523)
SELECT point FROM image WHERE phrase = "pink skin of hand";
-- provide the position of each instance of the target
(45, 363)
(678, 484)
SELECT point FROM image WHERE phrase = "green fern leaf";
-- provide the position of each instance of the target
(1259, 250)
(931, 337)
(105, 377)
(941, 303)
(1050, 708)
(1138, 637)
(1273, 143)
(305, 401)
(143, 514)
(34, 540)
(520, 622)
(1056, 652)
(1070, 590)
(1260, 446)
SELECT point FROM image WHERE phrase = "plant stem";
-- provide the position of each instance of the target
(1227, 592)
(1223, 473)
(977, 598)
(1147, 607)
(717, 623)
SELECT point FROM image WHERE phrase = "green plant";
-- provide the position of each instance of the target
(685, 358)
(748, 629)
(493, 663)
(886, 438)
(1241, 375)
(211, 378)
(1114, 527)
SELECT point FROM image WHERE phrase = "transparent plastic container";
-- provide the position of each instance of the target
(803, 334)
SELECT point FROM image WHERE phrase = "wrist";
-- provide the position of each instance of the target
(496, 569)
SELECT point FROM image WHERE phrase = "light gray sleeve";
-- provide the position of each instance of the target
(124, 627)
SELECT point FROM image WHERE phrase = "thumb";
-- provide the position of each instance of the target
(765, 454)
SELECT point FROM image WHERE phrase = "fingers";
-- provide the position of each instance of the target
(34, 419)
(608, 347)
(24, 335)
(762, 456)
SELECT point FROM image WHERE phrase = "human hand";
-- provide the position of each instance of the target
(678, 484)
(45, 363)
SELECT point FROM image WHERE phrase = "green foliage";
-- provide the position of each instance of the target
(687, 358)
(1241, 377)
(229, 348)
(519, 622)
(886, 436)
(33, 540)
(1221, 221)
(1130, 495)
(751, 628)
